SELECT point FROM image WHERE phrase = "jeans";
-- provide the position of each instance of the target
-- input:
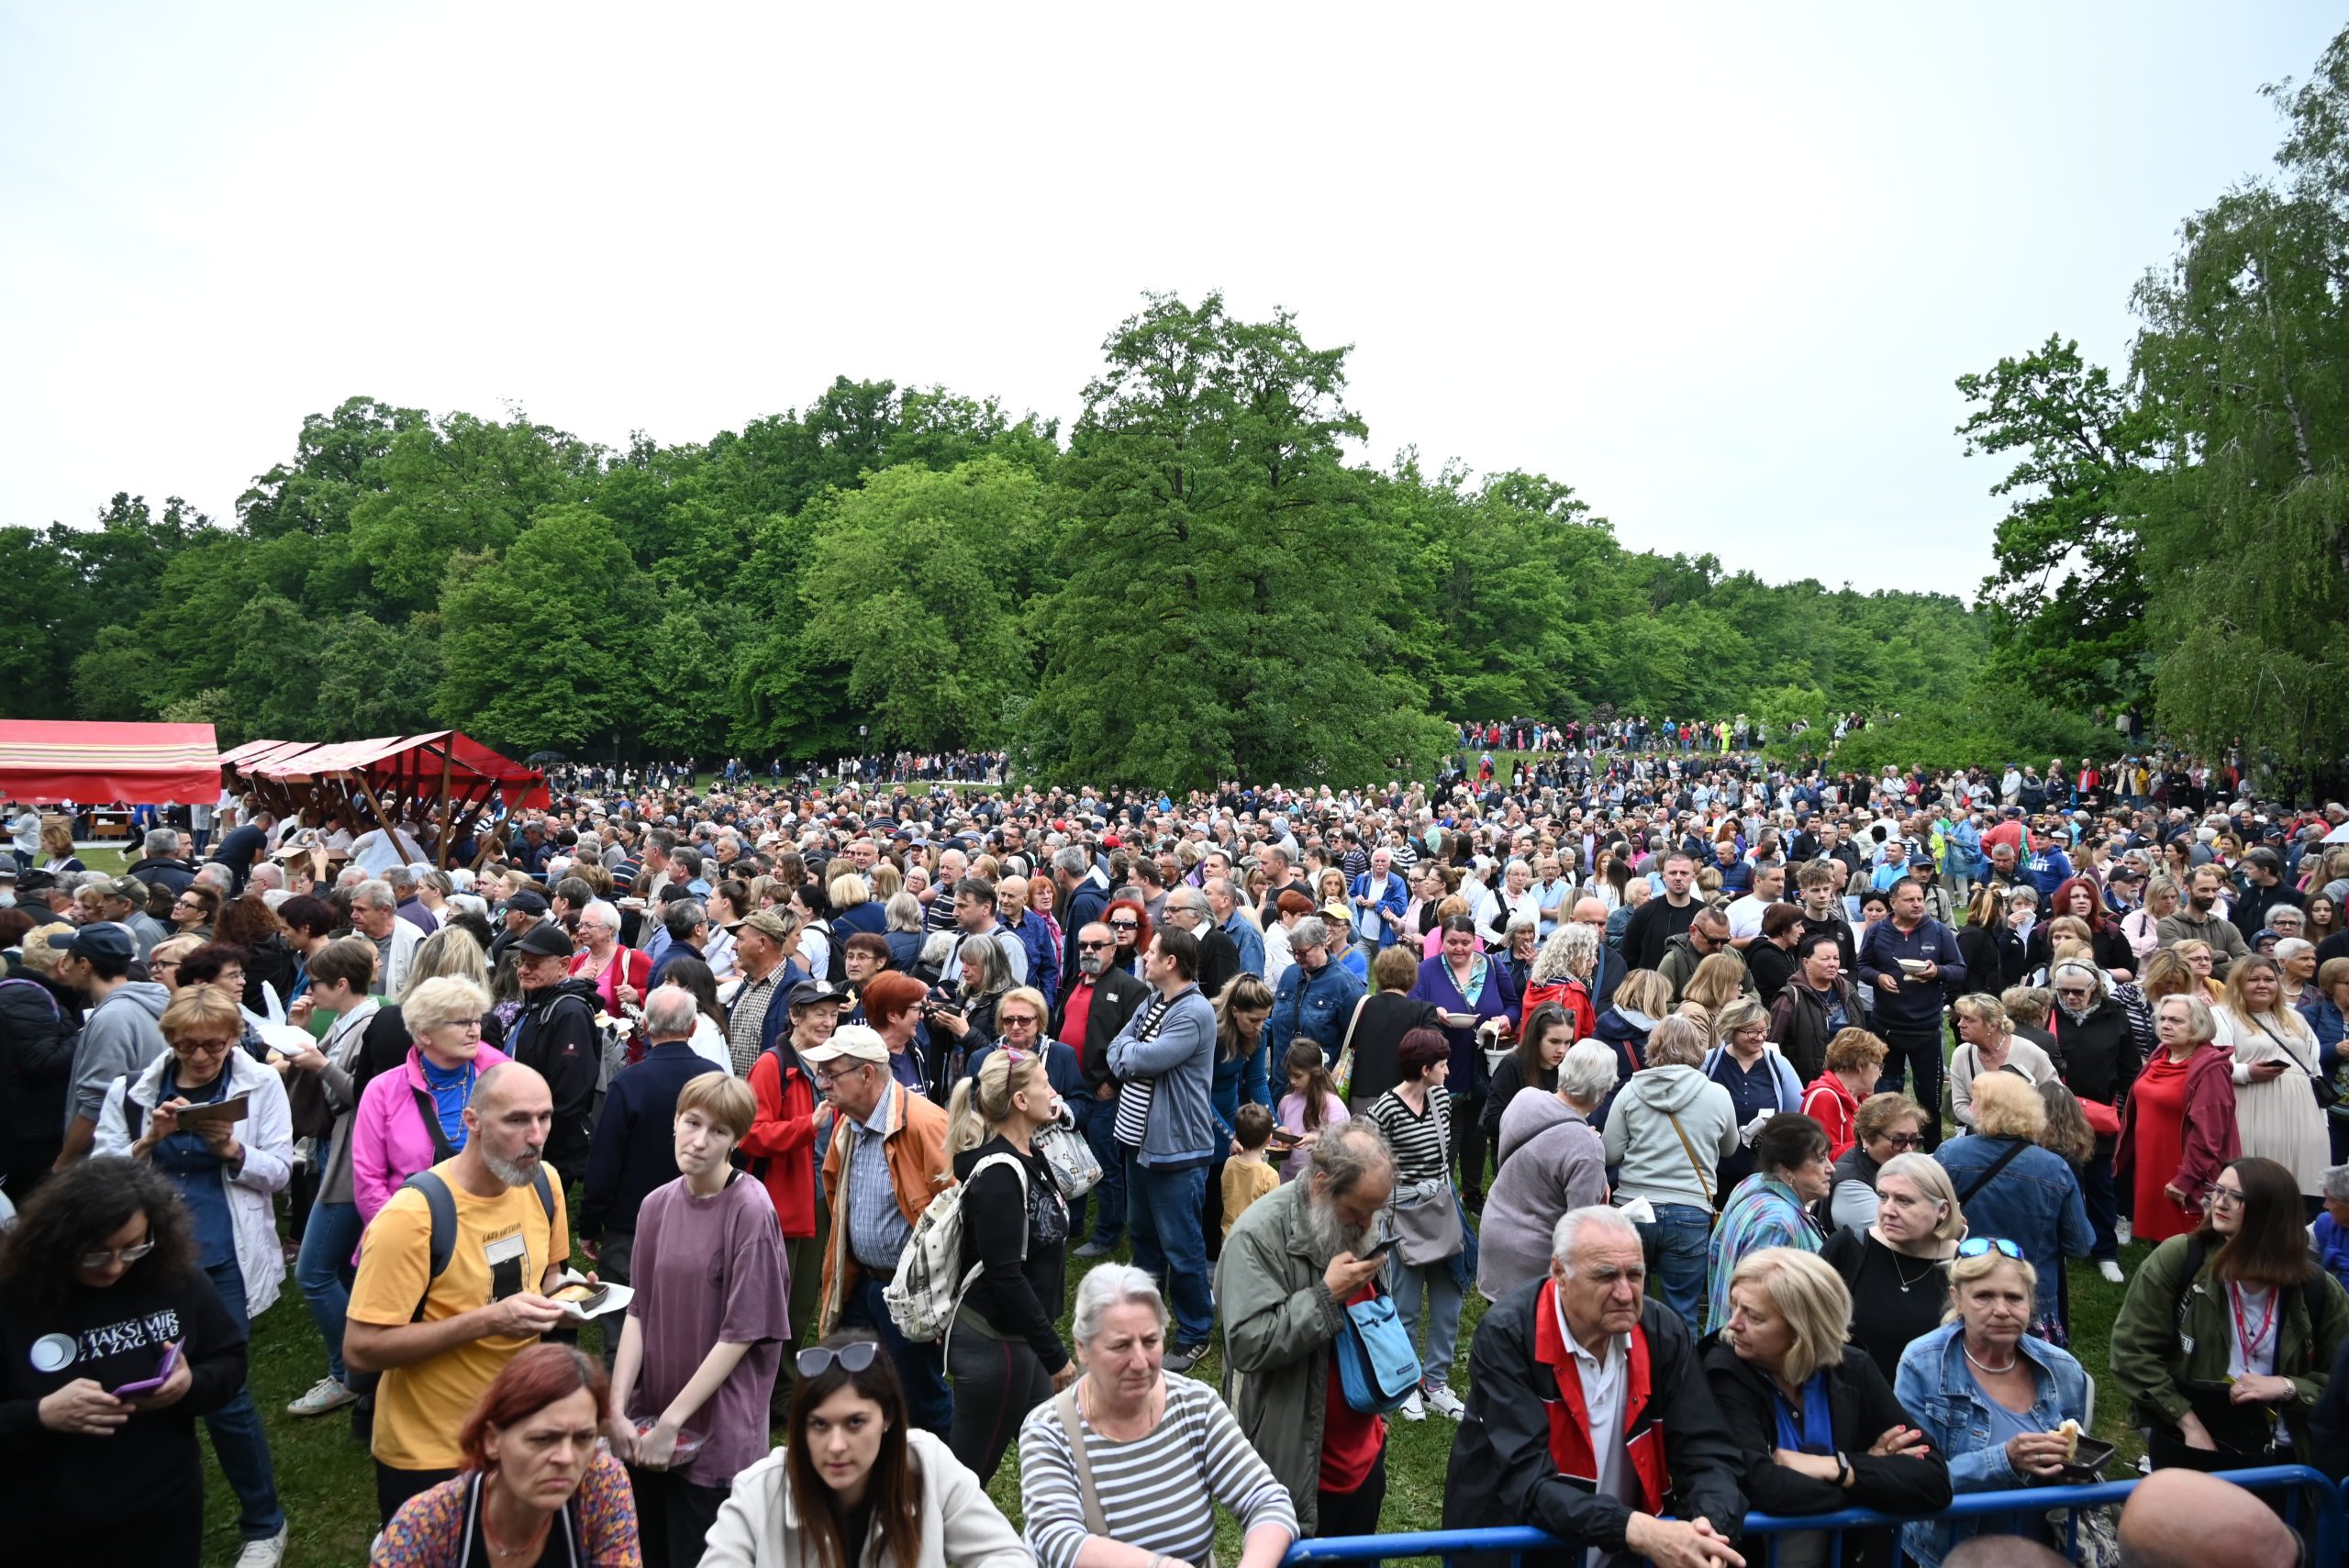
(1675, 1242)
(238, 1441)
(1468, 1143)
(1918, 1046)
(2096, 1193)
(1170, 1246)
(1110, 1192)
(921, 1368)
(324, 1271)
(1405, 1284)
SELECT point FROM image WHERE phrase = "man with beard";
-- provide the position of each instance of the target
(454, 1274)
(1912, 961)
(2200, 921)
(1590, 1416)
(555, 1035)
(1654, 923)
(1290, 1267)
(1093, 1012)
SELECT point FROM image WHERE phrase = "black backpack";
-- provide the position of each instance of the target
(441, 1204)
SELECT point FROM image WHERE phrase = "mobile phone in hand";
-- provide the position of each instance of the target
(151, 1385)
(1384, 1245)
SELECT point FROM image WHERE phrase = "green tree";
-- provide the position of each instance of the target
(377, 679)
(540, 646)
(119, 679)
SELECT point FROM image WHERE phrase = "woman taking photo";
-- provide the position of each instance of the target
(100, 1258)
(705, 1332)
(856, 1485)
(2275, 1058)
(1895, 1268)
(1989, 1044)
(1854, 1060)
(1990, 1395)
(2227, 1336)
(1813, 1417)
(1542, 1042)
(1417, 1122)
(412, 1117)
(227, 1173)
(2011, 1188)
(2178, 1129)
(1771, 1208)
(1553, 1160)
(1667, 1131)
(1124, 1468)
(1004, 1352)
(533, 1488)
(1468, 988)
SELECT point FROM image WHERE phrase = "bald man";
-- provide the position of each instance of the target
(2003, 1552)
(440, 1339)
(2182, 1518)
(1612, 965)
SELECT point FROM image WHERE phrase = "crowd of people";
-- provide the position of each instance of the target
(833, 1086)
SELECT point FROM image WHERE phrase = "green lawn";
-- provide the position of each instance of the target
(328, 1490)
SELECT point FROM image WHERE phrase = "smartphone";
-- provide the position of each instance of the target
(1383, 1246)
(162, 1375)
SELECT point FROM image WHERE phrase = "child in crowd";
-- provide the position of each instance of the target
(1312, 1102)
(1247, 1175)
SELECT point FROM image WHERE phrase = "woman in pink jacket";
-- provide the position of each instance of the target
(412, 1119)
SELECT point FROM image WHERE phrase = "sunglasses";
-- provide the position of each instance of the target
(1975, 1246)
(1096, 947)
(1907, 1140)
(855, 1356)
(1125, 925)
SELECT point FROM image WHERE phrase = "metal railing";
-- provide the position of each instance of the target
(2309, 1496)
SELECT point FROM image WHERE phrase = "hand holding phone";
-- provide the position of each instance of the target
(155, 1384)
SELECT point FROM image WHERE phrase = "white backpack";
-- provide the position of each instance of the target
(927, 1290)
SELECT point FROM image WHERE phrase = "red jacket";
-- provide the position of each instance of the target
(1831, 1104)
(783, 1134)
(1571, 1438)
(1569, 993)
(2212, 1138)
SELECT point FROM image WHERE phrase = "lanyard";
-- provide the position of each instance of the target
(2248, 1338)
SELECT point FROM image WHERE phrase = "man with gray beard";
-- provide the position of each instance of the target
(1091, 1011)
(495, 1223)
(1289, 1268)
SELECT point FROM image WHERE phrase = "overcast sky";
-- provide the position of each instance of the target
(1716, 267)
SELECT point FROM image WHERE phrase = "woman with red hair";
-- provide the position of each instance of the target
(1129, 923)
(2081, 899)
(534, 1487)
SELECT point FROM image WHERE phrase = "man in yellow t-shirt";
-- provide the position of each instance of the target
(511, 1239)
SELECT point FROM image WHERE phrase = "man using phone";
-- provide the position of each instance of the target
(440, 1337)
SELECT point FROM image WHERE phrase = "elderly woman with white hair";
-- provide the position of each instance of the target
(1897, 1267)
(392, 1135)
(1814, 1416)
(1124, 1468)
(621, 975)
(1561, 1166)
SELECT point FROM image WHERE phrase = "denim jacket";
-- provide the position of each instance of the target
(1934, 1387)
(2034, 1202)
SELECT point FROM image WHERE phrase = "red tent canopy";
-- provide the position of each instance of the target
(143, 764)
(443, 777)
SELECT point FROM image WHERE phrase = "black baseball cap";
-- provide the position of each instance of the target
(529, 901)
(104, 940)
(545, 939)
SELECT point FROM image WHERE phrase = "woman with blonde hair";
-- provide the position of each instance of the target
(2013, 1189)
(1813, 1415)
(2203, 960)
(57, 846)
(1004, 1352)
(2276, 1055)
(1990, 1044)
(1719, 979)
(1897, 1265)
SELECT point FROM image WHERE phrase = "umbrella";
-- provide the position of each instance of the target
(540, 759)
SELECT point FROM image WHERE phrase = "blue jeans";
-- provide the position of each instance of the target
(238, 1441)
(2097, 1196)
(1675, 1241)
(921, 1368)
(1108, 1194)
(1406, 1284)
(1171, 1246)
(323, 1273)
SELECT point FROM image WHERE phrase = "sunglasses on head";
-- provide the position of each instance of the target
(854, 1356)
(1975, 1246)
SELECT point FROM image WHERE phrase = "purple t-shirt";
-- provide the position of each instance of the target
(708, 1270)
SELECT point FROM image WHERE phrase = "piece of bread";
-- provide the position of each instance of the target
(2070, 1432)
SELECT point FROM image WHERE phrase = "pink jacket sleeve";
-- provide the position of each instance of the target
(372, 1182)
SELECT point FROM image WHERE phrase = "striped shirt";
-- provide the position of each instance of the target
(1158, 1493)
(1421, 1143)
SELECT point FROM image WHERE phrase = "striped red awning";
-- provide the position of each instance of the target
(140, 764)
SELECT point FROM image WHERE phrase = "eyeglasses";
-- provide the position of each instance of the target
(129, 1255)
(854, 1356)
(1975, 1246)
(828, 1079)
(2071, 994)
(2226, 1197)
(1094, 947)
(1907, 1140)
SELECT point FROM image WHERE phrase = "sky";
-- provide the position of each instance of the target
(1715, 266)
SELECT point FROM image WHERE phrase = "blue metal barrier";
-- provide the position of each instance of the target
(2309, 1493)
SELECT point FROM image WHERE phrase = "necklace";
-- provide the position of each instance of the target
(1902, 1274)
(1985, 1366)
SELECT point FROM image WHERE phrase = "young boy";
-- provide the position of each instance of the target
(1247, 1175)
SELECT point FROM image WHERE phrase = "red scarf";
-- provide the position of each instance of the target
(1570, 1434)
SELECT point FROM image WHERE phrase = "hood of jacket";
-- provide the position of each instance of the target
(147, 995)
(1668, 1089)
(540, 1001)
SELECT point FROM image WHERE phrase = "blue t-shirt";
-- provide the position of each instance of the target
(197, 1172)
(451, 1087)
(2005, 1424)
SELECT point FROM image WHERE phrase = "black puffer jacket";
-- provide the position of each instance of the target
(39, 1022)
(556, 1035)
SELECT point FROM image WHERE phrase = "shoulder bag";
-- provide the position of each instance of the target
(1344, 1073)
(1377, 1366)
(1427, 1222)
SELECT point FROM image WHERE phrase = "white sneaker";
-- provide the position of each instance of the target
(324, 1396)
(1444, 1402)
(1414, 1409)
(2111, 1271)
(263, 1553)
